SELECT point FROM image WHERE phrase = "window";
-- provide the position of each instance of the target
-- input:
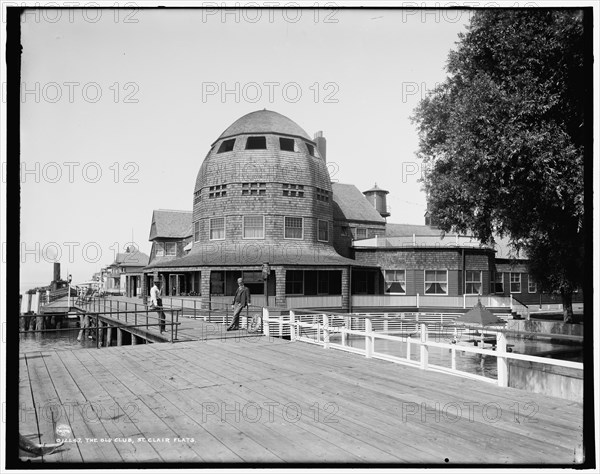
(395, 281)
(515, 282)
(217, 191)
(499, 286)
(293, 190)
(196, 231)
(256, 143)
(361, 234)
(254, 189)
(322, 195)
(344, 231)
(294, 282)
(217, 282)
(293, 228)
(254, 227)
(170, 249)
(197, 197)
(217, 228)
(226, 145)
(436, 282)
(286, 144)
(473, 282)
(531, 285)
(160, 249)
(310, 149)
(323, 231)
(322, 283)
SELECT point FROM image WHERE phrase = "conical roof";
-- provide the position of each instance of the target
(479, 315)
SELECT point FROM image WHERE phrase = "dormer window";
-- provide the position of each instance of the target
(256, 143)
(311, 149)
(226, 145)
(286, 144)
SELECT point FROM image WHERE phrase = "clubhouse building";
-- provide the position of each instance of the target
(264, 204)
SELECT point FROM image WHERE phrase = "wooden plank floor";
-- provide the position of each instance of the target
(266, 400)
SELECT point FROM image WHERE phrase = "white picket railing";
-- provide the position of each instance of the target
(317, 328)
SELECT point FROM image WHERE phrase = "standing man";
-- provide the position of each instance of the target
(156, 301)
(240, 301)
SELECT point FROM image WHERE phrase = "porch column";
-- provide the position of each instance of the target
(205, 288)
(345, 289)
(280, 299)
(144, 285)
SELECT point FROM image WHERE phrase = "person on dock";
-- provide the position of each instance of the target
(156, 302)
(240, 301)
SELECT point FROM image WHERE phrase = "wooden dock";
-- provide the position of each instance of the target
(266, 400)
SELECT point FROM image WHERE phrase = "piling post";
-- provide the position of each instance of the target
(109, 336)
(119, 337)
(133, 339)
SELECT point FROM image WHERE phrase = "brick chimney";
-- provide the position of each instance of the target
(321, 142)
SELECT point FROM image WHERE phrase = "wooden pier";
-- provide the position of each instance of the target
(267, 400)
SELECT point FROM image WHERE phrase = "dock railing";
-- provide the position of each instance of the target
(415, 331)
(213, 311)
(126, 319)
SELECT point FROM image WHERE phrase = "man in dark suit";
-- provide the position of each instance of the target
(240, 301)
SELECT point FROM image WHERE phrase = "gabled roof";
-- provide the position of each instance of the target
(170, 224)
(131, 259)
(350, 204)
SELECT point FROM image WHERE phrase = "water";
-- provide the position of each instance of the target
(53, 340)
(480, 364)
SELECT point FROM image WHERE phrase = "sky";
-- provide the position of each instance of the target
(120, 107)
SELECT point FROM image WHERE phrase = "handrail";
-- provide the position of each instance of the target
(95, 303)
(100, 327)
(323, 327)
(519, 301)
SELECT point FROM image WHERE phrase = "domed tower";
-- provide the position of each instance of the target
(263, 195)
(377, 197)
(263, 181)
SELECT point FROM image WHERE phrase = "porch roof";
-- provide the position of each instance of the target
(256, 254)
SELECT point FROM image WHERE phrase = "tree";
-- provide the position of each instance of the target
(502, 140)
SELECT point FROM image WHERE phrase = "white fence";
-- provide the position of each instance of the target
(439, 301)
(318, 328)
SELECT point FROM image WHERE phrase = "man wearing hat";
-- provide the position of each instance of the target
(240, 301)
